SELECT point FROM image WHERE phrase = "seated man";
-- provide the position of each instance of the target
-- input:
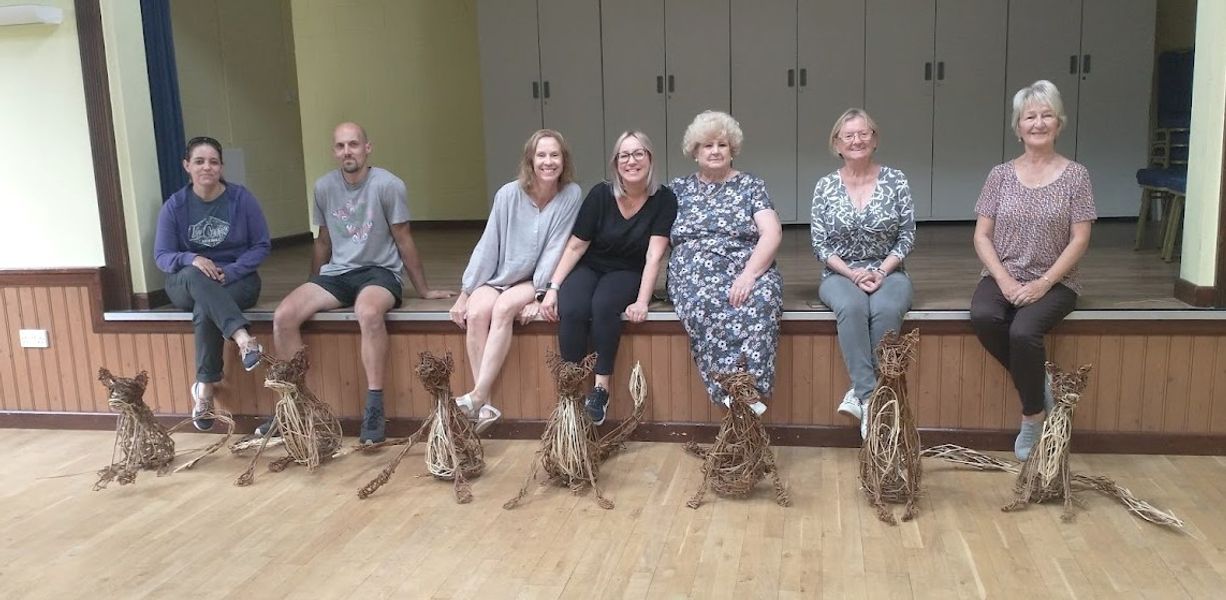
(362, 247)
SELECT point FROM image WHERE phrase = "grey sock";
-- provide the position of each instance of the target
(374, 398)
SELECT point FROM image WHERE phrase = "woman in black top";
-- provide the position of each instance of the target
(611, 262)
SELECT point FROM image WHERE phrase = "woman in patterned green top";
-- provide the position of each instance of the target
(863, 226)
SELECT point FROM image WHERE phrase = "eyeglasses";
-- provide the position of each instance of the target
(204, 139)
(852, 136)
(638, 155)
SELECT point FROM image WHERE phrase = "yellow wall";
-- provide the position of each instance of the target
(238, 84)
(408, 71)
(47, 193)
(1205, 152)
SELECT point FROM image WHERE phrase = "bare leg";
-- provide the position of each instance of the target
(480, 308)
(371, 308)
(302, 303)
(498, 343)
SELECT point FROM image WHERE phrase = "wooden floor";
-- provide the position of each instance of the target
(943, 268)
(294, 534)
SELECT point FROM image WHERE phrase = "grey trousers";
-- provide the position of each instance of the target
(863, 319)
(217, 312)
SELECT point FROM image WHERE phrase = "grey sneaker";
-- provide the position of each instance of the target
(1027, 438)
(201, 406)
(373, 424)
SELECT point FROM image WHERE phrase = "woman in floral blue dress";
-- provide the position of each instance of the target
(721, 275)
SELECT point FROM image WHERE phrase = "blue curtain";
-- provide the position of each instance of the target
(164, 93)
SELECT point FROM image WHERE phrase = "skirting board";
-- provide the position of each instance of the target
(1091, 442)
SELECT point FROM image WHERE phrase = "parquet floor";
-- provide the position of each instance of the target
(306, 535)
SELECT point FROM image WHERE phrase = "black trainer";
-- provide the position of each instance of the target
(597, 402)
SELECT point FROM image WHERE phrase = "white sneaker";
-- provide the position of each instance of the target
(758, 407)
(866, 415)
(850, 406)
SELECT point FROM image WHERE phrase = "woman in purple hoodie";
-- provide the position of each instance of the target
(211, 237)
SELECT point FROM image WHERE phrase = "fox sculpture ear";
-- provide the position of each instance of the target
(104, 375)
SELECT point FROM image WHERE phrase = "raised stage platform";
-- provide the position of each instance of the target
(1159, 383)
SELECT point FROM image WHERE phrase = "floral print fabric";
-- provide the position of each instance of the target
(864, 238)
(712, 239)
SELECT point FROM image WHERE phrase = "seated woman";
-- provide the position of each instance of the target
(511, 265)
(863, 226)
(211, 238)
(721, 275)
(1035, 213)
(611, 262)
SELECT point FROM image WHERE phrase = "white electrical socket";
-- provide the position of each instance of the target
(34, 338)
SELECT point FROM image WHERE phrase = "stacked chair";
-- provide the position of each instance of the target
(1164, 182)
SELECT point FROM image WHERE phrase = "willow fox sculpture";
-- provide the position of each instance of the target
(307, 427)
(141, 442)
(890, 469)
(570, 453)
(1046, 474)
(741, 455)
(451, 438)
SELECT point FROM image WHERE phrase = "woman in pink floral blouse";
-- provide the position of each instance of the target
(1035, 213)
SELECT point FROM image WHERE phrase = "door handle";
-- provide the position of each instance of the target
(791, 77)
(804, 77)
(927, 71)
(1072, 64)
(536, 90)
(671, 87)
(1085, 64)
(546, 89)
(940, 75)
(659, 84)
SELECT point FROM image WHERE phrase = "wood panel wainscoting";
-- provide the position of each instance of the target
(1152, 389)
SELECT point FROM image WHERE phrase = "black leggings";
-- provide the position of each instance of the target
(1014, 336)
(590, 304)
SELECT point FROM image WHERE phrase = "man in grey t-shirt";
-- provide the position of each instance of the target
(363, 245)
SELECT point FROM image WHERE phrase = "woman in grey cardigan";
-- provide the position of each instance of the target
(509, 270)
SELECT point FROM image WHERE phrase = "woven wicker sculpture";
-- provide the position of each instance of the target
(308, 428)
(570, 454)
(1046, 474)
(890, 468)
(450, 437)
(741, 455)
(140, 441)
